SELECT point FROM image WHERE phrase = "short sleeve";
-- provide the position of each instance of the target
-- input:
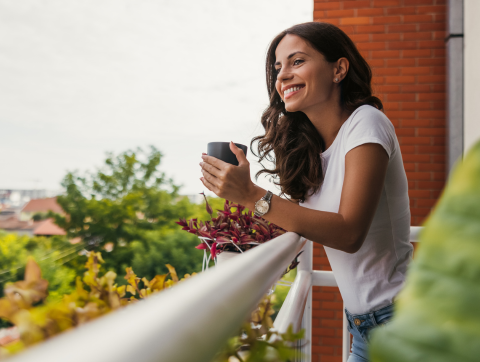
(369, 125)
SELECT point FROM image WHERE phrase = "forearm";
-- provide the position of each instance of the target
(326, 228)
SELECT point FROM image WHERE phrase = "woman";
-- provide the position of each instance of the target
(337, 157)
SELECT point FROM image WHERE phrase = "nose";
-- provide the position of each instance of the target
(284, 75)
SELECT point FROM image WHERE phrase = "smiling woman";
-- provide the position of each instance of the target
(321, 52)
(337, 156)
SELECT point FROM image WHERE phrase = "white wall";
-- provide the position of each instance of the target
(472, 73)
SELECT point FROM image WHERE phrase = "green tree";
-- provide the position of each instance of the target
(174, 247)
(131, 204)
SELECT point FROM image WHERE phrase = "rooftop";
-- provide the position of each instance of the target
(43, 205)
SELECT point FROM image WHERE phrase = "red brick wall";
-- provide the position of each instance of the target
(403, 41)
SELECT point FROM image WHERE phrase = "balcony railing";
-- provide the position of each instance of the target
(297, 308)
(191, 321)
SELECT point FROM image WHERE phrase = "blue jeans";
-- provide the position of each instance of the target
(360, 326)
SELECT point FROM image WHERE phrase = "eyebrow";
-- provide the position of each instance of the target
(291, 55)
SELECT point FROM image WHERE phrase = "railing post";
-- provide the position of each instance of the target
(306, 264)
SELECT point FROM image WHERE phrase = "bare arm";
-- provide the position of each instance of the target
(365, 169)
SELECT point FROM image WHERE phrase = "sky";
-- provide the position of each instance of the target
(82, 78)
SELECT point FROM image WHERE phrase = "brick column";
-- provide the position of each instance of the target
(403, 41)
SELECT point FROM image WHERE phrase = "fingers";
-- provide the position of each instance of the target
(214, 161)
(209, 186)
(210, 178)
(210, 169)
(242, 159)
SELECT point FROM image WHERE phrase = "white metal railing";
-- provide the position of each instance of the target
(189, 322)
(294, 305)
(299, 299)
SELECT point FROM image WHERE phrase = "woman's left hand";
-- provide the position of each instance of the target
(227, 181)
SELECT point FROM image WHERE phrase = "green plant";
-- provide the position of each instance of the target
(54, 255)
(436, 317)
(234, 228)
(26, 306)
(161, 247)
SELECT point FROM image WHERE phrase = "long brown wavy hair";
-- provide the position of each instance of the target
(291, 141)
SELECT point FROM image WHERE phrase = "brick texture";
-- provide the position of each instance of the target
(403, 41)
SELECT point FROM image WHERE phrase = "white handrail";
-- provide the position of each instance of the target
(415, 233)
(189, 322)
(323, 278)
(294, 305)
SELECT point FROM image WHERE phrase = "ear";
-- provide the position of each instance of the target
(341, 69)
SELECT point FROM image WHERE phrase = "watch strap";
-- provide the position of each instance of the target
(268, 196)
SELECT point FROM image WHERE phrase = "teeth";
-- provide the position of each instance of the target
(290, 90)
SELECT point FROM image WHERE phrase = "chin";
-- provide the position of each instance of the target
(292, 109)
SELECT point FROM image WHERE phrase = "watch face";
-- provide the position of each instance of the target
(261, 206)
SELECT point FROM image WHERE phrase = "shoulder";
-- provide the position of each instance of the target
(367, 124)
(370, 116)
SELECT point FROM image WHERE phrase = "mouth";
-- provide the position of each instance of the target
(291, 91)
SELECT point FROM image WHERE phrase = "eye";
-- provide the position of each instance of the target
(298, 62)
(277, 70)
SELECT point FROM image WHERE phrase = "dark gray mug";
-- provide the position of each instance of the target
(221, 150)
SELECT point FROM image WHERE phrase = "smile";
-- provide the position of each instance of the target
(291, 91)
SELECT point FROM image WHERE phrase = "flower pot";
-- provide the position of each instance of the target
(226, 255)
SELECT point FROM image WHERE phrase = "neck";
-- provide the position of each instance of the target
(327, 119)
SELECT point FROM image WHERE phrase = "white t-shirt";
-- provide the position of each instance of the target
(370, 278)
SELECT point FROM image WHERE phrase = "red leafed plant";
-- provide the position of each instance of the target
(234, 228)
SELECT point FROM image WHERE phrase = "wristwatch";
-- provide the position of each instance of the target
(263, 205)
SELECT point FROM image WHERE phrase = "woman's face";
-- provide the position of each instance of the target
(304, 78)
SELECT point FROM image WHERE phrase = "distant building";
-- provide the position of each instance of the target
(24, 223)
(40, 206)
(11, 198)
(48, 228)
(10, 223)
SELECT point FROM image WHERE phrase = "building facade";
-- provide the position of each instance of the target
(422, 54)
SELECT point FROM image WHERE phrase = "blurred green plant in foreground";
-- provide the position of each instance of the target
(437, 315)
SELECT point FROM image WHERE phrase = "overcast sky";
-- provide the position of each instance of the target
(80, 78)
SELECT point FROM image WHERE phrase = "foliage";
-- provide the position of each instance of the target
(160, 248)
(52, 254)
(38, 216)
(200, 212)
(26, 307)
(436, 316)
(258, 341)
(232, 229)
(121, 203)
(281, 292)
